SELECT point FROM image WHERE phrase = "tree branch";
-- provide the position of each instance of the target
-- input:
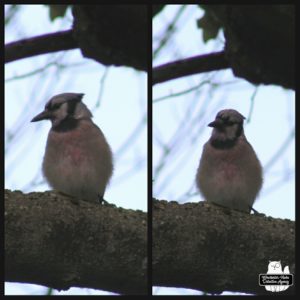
(42, 44)
(113, 34)
(49, 240)
(258, 47)
(189, 66)
(208, 248)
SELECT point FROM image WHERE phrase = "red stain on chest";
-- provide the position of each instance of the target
(70, 147)
(74, 154)
(228, 165)
(229, 171)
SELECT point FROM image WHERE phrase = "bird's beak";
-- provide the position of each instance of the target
(44, 115)
(216, 123)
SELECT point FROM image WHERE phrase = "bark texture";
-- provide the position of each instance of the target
(52, 241)
(212, 249)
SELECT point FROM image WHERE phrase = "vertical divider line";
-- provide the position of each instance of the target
(149, 127)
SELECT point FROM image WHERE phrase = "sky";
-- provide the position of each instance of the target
(179, 122)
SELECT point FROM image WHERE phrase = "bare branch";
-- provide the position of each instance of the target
(42, 44)
(189, 66)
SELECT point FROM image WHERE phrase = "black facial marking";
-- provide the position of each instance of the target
(52, 106)
(239, 131)
(229, 142)
(56, 106)
(227, 122)
(222, 144)
(67, 124)
(72, 106)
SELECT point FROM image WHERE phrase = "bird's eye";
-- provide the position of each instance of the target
(229, 122)
(56, 106)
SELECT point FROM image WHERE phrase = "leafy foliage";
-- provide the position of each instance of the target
(209, 25)
(56, 11)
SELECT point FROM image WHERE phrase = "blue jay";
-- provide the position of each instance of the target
(78, 160)
(229, 172)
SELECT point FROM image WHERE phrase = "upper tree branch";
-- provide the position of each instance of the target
(204, 247)
(51, 241)
(110, 34)
(189, 66)
(42, 44)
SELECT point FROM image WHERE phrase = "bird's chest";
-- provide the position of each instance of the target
(227, 165)
(66, 149)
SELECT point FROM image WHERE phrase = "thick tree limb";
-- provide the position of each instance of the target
(258, 47)
(259, 41)
(52, 241)
(189, 66)
(42, 44)
(110, 34)
(113, 34)
(208, 248)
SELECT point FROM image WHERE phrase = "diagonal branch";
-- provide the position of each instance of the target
(208, 248)
(52, 241)
(42, 44)
(189, 66)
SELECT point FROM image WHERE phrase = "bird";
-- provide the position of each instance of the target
(229, 172)
(78, 160)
